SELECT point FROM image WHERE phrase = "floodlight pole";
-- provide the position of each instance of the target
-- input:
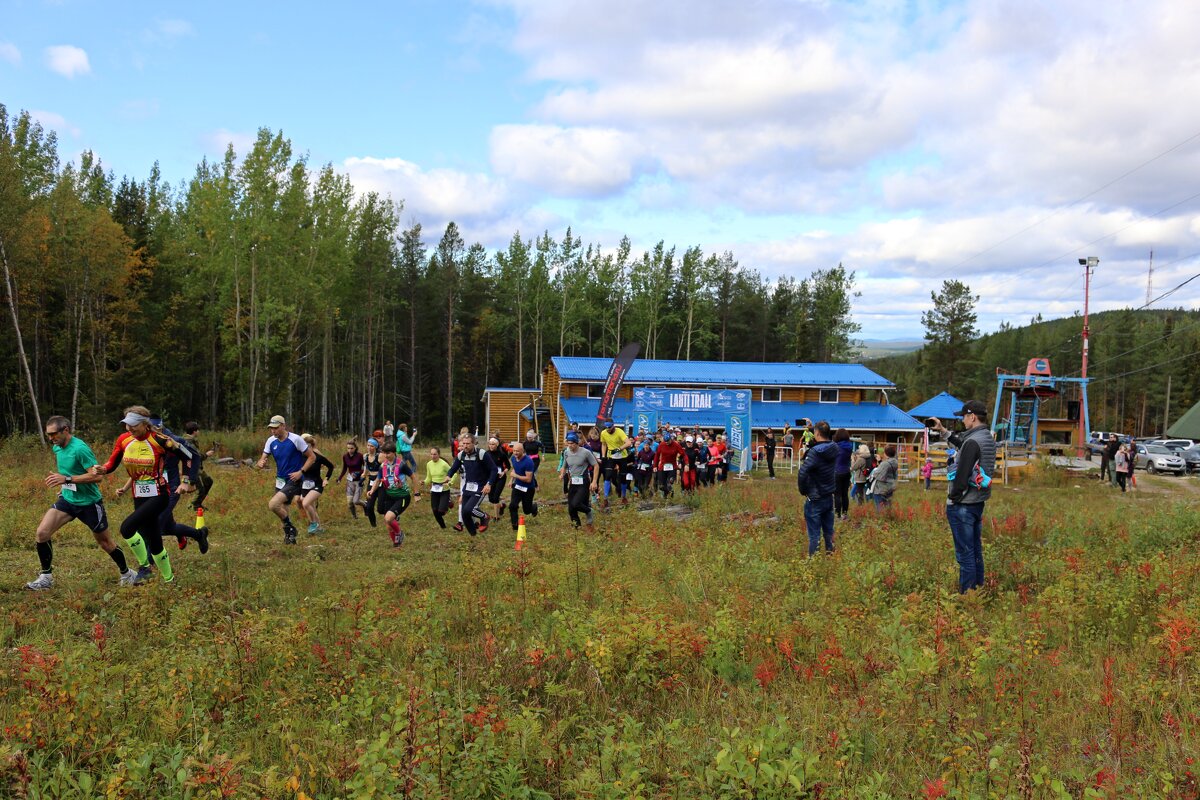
(1088, 265)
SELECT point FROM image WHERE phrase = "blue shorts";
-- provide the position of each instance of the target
(91, 515)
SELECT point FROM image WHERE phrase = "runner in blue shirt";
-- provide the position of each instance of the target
(292, 457)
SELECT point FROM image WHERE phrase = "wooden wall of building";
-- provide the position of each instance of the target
(504, 414)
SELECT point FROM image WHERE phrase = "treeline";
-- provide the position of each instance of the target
(263, 286)
(1134, 357)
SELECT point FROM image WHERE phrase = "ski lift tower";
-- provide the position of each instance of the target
(1026, 395)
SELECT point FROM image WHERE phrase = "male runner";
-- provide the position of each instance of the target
(292, 457)
(79, 499)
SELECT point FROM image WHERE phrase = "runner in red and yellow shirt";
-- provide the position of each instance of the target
(141, 450)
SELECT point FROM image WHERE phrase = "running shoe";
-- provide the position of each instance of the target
(289, 536)
(312, 528)
(458, 526)
(44, 581)
(129, 577)
(399, 540)
(354, 512)
(483, 526)
(144, 574)
(202, 539)
(182, 542)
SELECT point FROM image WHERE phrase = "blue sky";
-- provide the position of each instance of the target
(910, 142)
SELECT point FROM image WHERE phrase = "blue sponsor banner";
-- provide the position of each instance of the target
(737, 437)
(646, 421)
(731, 401)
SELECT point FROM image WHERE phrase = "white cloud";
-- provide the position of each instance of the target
(10, 53)
(219, 140)
(174, 28)
(67, 60)
(566, 161)
(55, 122)
(440, 194)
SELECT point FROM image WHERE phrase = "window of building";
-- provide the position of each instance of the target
(829, 395)
(595, 391)
(771, 395)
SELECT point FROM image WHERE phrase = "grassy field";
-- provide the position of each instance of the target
(657, 657)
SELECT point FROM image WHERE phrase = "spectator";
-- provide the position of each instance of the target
(883, 478)
(1107, 458)
(841, 499)
(1122, 466)
(816, 480)
(927, 472)
(969, 490)
(860, 469)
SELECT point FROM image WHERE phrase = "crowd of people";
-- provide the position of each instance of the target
(598, 467)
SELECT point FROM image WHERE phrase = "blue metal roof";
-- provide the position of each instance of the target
(943, 406)
(857, 417)
(722, 373)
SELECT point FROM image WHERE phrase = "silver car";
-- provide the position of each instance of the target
(1157, 458)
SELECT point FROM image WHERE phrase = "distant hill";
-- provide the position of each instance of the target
(877, 348)
(1132, 355)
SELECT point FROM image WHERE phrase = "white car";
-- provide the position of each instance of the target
(1156, 458)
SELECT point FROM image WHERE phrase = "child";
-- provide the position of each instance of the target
(927, 472)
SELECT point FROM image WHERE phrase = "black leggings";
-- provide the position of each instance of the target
(145, 520)
(440, 501)
(642, 478)
(206, 484)
(497, 492)
(771, 461)
(524, 500)
(167, 525)
(579, 501)
(841, 497)
(666, 482)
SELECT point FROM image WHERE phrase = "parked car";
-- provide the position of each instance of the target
(1099, 441)
(1191, 457)
(1178, 445)
(1156, 458)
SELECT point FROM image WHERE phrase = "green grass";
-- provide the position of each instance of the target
(655, 658)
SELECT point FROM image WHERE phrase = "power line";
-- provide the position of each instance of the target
(1193, 354)
(1074, 203)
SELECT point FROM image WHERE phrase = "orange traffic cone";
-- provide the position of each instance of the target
(520, 532)
(199, 517)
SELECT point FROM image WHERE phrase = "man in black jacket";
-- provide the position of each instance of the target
(970, 489)
(817, 481)
(1108, 459)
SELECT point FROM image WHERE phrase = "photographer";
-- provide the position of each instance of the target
(817, 481)
(970, 489)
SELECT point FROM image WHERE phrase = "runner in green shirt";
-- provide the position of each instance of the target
(79, 498)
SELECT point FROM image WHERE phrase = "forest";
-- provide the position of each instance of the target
(263, 285)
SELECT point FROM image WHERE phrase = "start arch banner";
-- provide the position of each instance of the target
(692, 401)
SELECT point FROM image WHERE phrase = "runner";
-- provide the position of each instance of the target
(615, 459)
(312, 485)
(479, 470)
(533, 448)
(352, 465)
(389, 432)
(577, 462)
(524, 484)
(436, 476)
(667, 462)
(293, 457)
(501, 457)
(179, 483)
(644, 472)
(79, 498)
(692, 459)
(191, 435)
(404, 445)
(142, 451)
(372, 463)
(395, 478)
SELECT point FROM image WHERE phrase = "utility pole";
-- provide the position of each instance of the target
(1088, 264)
(1150, 279)
(1167, 410)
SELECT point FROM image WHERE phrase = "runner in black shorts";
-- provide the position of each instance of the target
(292, 457)
(79, 499)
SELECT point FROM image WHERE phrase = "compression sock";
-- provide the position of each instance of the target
(45, 552)
(394, 531)
(118, 557)
(138, 546)
(163, 562)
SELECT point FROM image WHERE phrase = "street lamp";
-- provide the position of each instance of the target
(1088, 265)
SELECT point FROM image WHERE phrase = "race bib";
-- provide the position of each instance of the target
(628, 476)
(70, 487)
(520, 487)
(576, 480)
(145, 489)
(308, 485)
(354, 477)
(471, 487)
(279, 483)
(668, 467)
(643, 466)
(437, 488)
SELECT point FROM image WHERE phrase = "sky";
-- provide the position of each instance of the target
(993, 142)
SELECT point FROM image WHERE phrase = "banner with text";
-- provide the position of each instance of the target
(737, 437)
(645, 422)
(692, 401)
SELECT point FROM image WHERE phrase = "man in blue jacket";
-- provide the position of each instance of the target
(817, 481)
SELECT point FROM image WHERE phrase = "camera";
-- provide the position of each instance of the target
(931, 422)
(803, 422)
